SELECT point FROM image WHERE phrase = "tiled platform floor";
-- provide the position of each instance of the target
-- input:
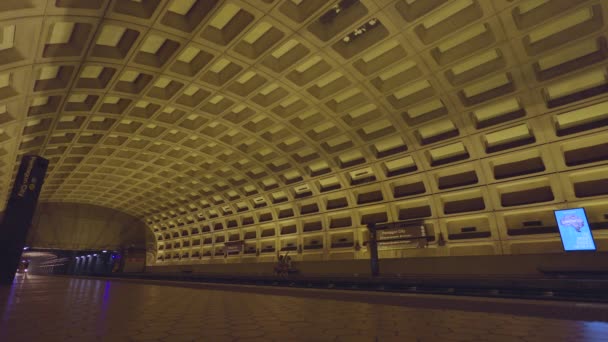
(65, 309)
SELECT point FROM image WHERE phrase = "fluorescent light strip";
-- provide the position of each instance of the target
(361, 173)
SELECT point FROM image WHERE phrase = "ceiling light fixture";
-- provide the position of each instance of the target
(359, 31)
(329, 16)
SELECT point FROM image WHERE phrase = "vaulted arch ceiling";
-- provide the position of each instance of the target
(76, 226)
(207, 108)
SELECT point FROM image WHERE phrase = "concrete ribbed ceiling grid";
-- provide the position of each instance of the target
(161, 127)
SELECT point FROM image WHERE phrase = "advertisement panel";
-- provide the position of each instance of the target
(574, 230)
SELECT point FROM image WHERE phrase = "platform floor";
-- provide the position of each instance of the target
(70, 309)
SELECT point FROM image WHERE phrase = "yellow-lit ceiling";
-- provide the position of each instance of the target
(203, 108)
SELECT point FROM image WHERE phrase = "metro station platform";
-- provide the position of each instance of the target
(41, 308)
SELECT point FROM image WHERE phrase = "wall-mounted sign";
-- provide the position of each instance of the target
(19, 212)
(234, 246)
(401, 235)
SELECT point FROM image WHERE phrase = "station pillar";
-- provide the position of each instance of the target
(19, 214)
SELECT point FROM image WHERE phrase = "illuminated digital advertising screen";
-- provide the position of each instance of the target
(574, 230)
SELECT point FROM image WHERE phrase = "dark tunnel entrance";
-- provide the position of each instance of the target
(66, 262)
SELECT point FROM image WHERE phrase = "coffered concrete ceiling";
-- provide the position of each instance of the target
(203, 109)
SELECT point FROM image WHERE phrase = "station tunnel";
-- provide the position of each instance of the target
(201, 148)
